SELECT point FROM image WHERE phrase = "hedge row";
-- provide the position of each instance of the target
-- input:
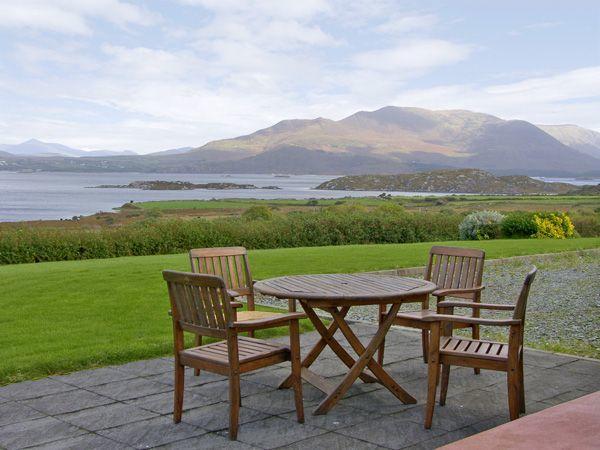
(333, 226)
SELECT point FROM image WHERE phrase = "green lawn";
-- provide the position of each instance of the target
(64, 316)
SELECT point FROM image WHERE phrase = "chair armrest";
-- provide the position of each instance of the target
(236, 304)
(268, 322)
(471, 320)
(446, 292)
(452, 304)
(233, 293)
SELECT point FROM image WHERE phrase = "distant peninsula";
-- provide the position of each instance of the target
(462, 181)
(158, 185)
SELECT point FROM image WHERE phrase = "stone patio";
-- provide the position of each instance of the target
(129, 406)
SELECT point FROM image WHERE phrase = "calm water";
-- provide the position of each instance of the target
(52, 195)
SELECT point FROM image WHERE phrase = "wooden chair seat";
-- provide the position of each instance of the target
(417, 319)
(464, 347)
(249, 350)
(243, 316)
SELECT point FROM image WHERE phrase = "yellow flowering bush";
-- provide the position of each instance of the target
(553, 225)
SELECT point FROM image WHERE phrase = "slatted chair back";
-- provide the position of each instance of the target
(199, 303)
(454, 267)
(521, 306)
(229, 263)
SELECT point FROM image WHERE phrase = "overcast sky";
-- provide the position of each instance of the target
(157, 74)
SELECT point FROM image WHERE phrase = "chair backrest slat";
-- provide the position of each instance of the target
(454, 267)
(199, 301)
(229, 263)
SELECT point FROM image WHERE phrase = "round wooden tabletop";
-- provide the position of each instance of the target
(337, 288)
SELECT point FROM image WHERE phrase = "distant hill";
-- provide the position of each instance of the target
(386, 141)
(173, 151)
(34, 147)
(415, 137)
(582, 139)
(462, 181)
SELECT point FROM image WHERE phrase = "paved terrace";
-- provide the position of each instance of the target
(129, 406)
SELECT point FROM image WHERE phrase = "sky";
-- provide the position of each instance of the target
(159, 74)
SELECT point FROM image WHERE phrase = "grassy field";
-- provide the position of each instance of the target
(64, 316)
(502, 202)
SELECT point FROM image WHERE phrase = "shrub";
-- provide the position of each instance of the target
(480, 225)
(519, 224)
(336, 225)
(553, 225)
(258, 212)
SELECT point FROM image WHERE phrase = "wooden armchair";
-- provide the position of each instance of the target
(458, 273)
(201, 304)
(449, 350)
(231, 264)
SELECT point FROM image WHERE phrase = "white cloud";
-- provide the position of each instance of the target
(70, 17)
(568, 97)
(413, 55)
(407, 23)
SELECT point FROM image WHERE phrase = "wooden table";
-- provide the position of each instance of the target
(336, 294)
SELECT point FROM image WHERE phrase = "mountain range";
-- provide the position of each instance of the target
(386, 141)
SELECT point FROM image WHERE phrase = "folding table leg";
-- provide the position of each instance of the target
(366, 357)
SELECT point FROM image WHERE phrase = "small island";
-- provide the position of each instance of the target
(460, 181)
(159, 185)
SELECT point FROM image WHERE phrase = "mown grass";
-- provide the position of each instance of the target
(64, 316)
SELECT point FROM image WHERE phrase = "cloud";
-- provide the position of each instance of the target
(567, 97)
(413, 55)
(71, 17)
(406, 23)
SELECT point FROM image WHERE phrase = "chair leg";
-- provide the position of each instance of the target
(475, 330)
(444, 387)
(425, 344)
(296, 369)
(197, 343)
(234, 405)
(433, 373)
(522, 383)
(178, 392)
(514, 388)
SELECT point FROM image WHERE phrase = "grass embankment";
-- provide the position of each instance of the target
(65, 316)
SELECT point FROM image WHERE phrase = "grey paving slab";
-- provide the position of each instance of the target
(391, 432)
(131, 405)
(163, 403)
(93, 377)
(13, 412)
(216, 417)
(332, 441)
(32, 389)
(546, 359)
(87, 441)
(130, 389)
(106, 416)
(583, 366)
(275, 432)
(35, 432)
(281, 401)
(219, 390)
(147, 367)
(211, 441)
(340, 417)
(190, 378)
(67, 402)
(152, 433)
